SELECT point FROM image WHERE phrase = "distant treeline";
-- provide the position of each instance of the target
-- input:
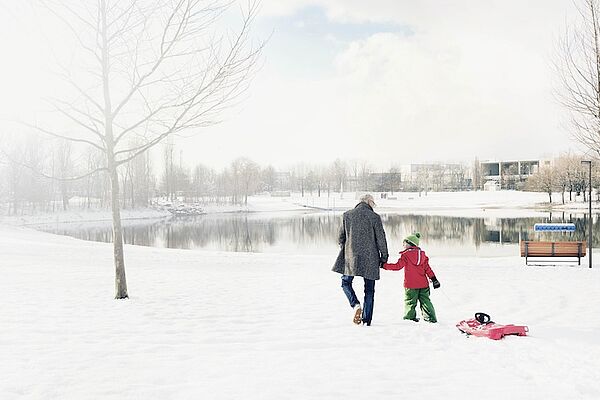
(37, 175)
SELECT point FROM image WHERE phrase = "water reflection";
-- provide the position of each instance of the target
(317, 233)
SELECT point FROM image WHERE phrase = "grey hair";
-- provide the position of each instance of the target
(367, 198)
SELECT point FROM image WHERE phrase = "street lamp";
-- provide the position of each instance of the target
(590, 212)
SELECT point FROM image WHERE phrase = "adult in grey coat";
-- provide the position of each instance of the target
(363, 251)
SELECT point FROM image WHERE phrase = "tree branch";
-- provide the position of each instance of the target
(60, 136)
(43, 175)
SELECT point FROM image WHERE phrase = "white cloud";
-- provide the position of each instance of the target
(473, 80)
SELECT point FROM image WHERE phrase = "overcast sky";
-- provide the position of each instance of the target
(388, 81)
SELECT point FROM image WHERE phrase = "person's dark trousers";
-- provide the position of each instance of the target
(367, 313)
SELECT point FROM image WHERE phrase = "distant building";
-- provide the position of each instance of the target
(386, 182)
(507, 174)
(438, 177)
(422, 177)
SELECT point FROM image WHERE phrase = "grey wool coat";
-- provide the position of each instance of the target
(363, 244)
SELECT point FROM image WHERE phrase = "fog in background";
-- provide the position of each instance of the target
(387, 81)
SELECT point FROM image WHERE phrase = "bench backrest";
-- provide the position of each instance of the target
(553, 249)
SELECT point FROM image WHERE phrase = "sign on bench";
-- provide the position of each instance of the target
(554, 227)
(552, 249)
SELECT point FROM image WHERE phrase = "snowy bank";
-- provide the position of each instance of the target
(215, 325)
(472, 203)
(457, 204)
(255, 204)
(84, 215)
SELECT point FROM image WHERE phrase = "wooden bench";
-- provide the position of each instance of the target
(552, 249)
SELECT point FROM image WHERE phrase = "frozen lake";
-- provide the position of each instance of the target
(316, 233)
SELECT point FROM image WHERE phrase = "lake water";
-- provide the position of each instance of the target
(316, 233)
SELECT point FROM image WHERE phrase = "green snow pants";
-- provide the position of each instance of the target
(411, 296)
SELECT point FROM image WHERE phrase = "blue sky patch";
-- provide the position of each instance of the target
(306, 43)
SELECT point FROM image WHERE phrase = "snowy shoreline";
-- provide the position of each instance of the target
(459, 204)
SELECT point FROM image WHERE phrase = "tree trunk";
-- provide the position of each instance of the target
(132, 189)
(120, 280)
(550, 195)
(64, 196)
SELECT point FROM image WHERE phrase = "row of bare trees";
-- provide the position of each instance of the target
(32, 178)
(244, 177)
(33, 168)
(29, 164)
(48, 175)
(565, 175)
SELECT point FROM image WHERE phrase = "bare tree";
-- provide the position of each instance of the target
(269, 178)
(395, 179)
(63, 165)
(596, 179)
(543, 181)
(569, 173)
(203, 181)
(578, 68)
(354, 166)
(25, 154)
(250, 178)
(96, 185)
(365, 173)
(562, 175)
(168, 164)
(322, 174)
(299, 175)
(151, 70)
(245, 178)
(477, 175)
(14, 154)
(340, 171)
(423, 181)
(509, 176)
(311, 180)
(142, 183)
(136, 179)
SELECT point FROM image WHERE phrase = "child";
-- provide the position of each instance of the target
(416, 271)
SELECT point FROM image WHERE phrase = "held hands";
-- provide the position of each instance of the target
(382, 260)
(435, 282)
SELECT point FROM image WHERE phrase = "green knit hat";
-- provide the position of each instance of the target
(413, 239)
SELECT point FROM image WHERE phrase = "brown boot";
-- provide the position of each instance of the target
(357, 314)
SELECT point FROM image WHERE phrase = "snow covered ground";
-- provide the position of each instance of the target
(214, 325)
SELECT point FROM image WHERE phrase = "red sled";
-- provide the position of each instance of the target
(482, 325)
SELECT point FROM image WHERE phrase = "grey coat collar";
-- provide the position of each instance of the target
(363, 204)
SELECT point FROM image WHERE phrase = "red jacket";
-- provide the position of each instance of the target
(416, 268)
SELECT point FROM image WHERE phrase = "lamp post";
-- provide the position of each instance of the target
(589, 162)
